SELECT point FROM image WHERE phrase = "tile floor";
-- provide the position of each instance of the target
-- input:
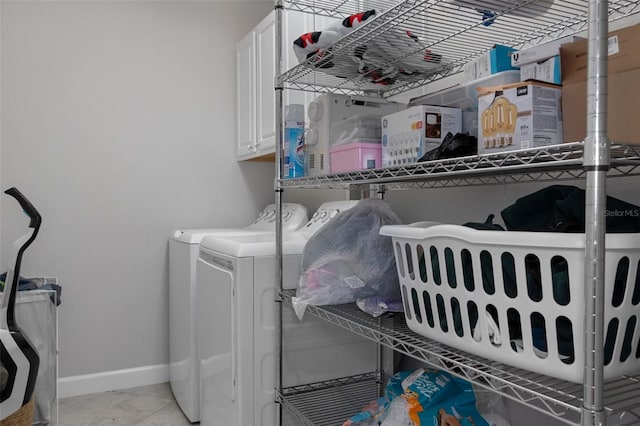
(152, 405)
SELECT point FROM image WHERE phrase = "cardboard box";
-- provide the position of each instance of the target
(495, 60)
(623, 55)
(547, 71)
(541, 52)
(408, 134)
(519, 116)
(623, 87)
(623, 125)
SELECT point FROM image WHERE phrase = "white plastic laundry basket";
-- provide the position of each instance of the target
(518, 297)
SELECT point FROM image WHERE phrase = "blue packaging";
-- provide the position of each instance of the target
(294, 141)
(497, 59)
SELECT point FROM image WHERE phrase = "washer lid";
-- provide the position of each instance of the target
(254, 245)
(194, 236)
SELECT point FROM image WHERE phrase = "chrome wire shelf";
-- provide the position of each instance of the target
(548, 395)
(331, 402)
(557, 162)
(445, 35)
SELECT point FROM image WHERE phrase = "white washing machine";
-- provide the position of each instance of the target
(183, 251)
(236, 287)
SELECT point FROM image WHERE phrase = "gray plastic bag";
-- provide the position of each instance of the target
(347, 259)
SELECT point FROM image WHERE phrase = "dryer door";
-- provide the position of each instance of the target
(216, 329)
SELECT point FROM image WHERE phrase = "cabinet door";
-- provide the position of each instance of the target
(245, 97)
(294, 24)
(265, 95)
(256, 68)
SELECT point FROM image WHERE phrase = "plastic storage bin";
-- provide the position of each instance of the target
(359, 128)
(518, 297)
(355, 144)
(465, 97)
(356, 156)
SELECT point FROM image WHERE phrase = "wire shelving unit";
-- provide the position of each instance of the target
(454, 33)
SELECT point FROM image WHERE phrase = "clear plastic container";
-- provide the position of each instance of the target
(359, 128)
(465, 97)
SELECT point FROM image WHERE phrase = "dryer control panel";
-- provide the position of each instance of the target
(324, 214)
(294, 216)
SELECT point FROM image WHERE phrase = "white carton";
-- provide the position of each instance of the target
(540, 52)
(547, 71)
(408, 134)
(519, 116)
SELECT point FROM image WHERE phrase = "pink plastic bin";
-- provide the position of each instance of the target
(355, 156)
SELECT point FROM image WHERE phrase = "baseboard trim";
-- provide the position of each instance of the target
(112, 380)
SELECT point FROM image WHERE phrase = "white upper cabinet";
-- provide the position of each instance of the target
(265, 118)
(245, 96)
(256, 70)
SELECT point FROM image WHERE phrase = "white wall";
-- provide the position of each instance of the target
(118, 124)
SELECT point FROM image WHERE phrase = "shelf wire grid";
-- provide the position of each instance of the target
(332, 402)
(445, 35)
(552, 163)
(548, 395)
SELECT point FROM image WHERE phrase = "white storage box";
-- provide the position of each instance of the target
(408, 134)
(518, 297)
(540, 52)
(547, 71)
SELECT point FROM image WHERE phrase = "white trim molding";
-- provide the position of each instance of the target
(112, 380)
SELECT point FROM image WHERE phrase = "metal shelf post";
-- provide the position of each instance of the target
(279, 10)
(596, 162)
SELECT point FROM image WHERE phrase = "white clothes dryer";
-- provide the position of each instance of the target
(236, 326)
(183, 251)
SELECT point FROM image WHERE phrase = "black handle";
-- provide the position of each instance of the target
(28, 208)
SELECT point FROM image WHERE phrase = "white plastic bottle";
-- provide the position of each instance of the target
(294, 141)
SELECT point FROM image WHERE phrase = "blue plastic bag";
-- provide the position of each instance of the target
(422, 398)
